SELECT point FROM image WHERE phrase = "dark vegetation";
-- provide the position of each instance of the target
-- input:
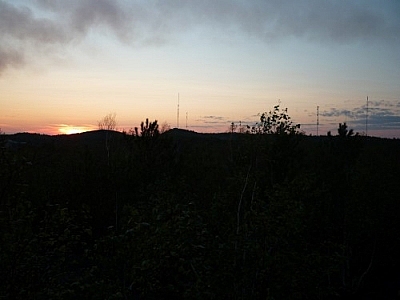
(268, 214)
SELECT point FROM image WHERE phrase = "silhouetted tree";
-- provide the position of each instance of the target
(108, 122)
(276, 121)
(150, 153)
(147, 129)
(343, 131)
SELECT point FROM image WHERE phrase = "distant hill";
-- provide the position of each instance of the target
(189, 134)
(98, 137)
(36, 139)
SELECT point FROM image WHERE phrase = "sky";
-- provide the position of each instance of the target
(64, 65)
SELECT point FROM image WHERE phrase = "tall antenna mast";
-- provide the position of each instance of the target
(186, 119)
(317, 118)
(177, 117)
(366, 120)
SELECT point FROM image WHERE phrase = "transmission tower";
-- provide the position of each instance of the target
(317, 119)
(177, 115)
(366, 120)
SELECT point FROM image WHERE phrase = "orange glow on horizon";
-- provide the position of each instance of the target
(68, 129)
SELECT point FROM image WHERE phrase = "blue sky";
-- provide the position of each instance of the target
(66, 64)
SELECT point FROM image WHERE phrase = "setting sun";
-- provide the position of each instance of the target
(66, 129)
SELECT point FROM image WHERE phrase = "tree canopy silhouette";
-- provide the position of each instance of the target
(147, 129)
(276, 121)
(108, 122)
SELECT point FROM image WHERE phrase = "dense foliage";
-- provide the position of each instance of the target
(180, 215)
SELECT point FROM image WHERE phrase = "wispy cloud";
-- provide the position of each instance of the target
(212, 120)
(381, 115)
(334, 112)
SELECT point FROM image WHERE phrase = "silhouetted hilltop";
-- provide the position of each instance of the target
(177, 133)
(190, 134)
(35, 139)
(29, 138)
(90, 137)
(97, 138)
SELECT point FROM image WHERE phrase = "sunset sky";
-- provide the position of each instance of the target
(66, 64)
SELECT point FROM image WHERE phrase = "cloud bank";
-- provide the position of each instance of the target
(382, 115)
(43, 26)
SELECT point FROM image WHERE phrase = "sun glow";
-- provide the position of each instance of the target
(67, 129)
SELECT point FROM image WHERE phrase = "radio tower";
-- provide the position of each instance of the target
(177, 117)
(317, 119)
(186, 119)
(366, 120)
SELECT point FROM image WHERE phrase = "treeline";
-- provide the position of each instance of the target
(271, 214)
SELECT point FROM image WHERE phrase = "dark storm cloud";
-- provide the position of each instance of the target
(44, 24)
